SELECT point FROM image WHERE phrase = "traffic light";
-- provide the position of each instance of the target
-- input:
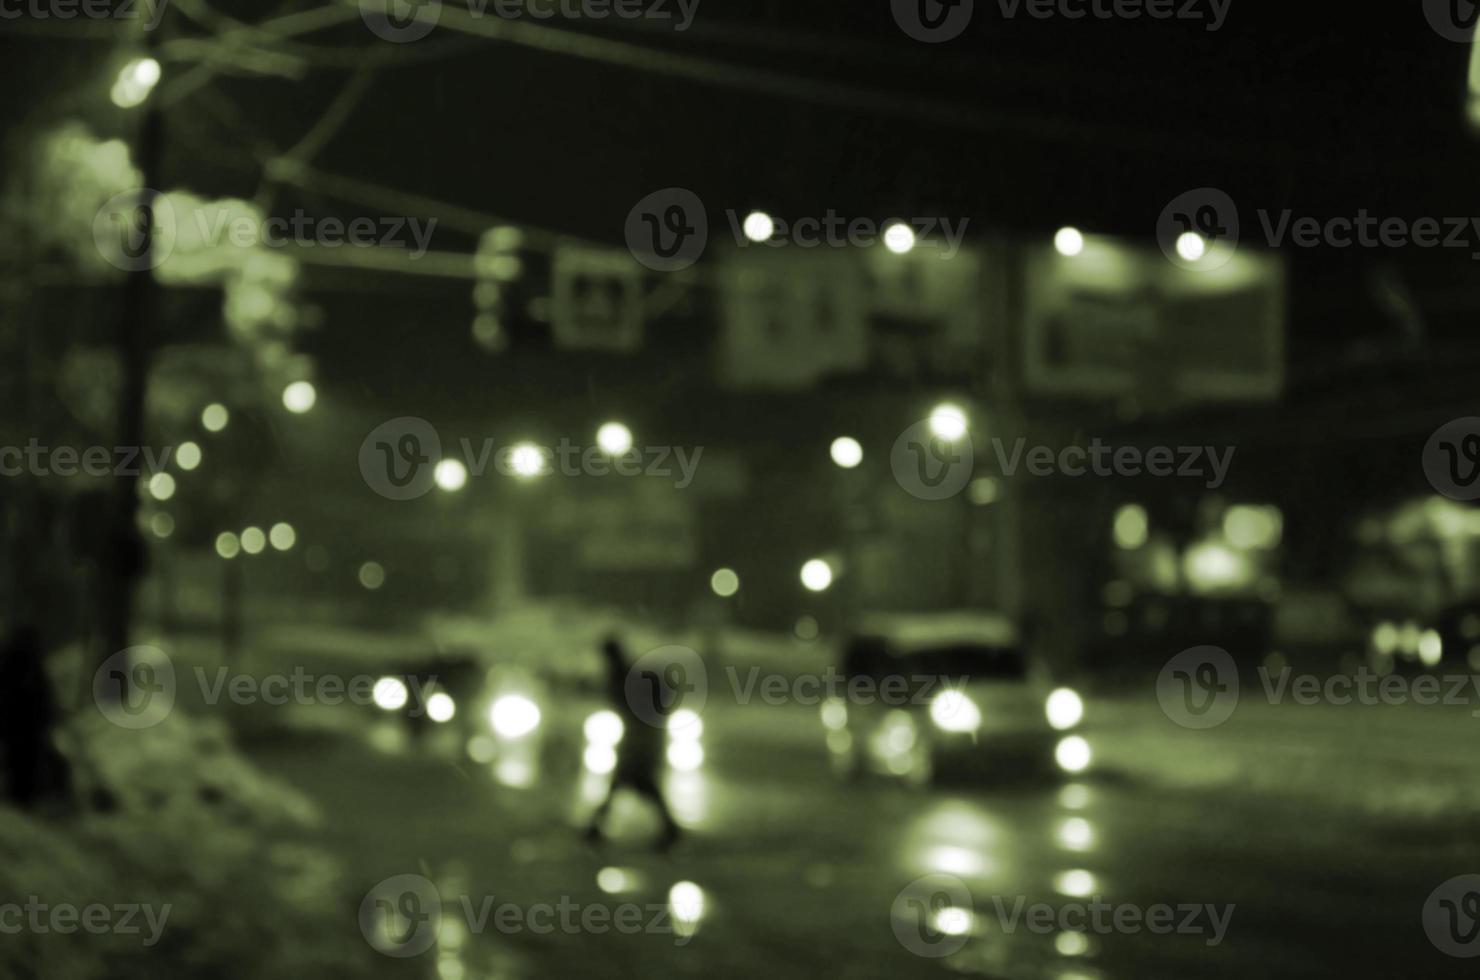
(498, 266)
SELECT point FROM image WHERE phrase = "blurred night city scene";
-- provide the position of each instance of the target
(502, 489)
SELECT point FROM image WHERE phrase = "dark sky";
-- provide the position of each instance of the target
(1020, 125)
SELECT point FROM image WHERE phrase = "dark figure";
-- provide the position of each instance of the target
(643, 707)
(34, 770)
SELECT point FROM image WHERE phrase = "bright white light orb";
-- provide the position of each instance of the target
(685, 723)
(817, 575)
(451, 475)
(847, 452)
(514, 716)
(614, 439)
(604, 728)
(1069, 242)
(599, 759)
(1073, 754)
(1191, 246)
(759, 226)
(1064, 709)
(899, 238)
(685, 756)
(948, 422)
(954, 711)
(390, 694)
(299, 397)
(527, 460)
(441, 708)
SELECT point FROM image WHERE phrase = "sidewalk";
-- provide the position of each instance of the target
(1404, 762)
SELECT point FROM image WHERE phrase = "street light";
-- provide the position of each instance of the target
(1069, 242)
(614, 439)
(214, 417)
(847, 452)
(253, 541)
(1191, 246)
(899, 238)
(299, 397)
(948, 422)
(135, 81)
(527, 461)
(759, 226)
(450, 475)
(817, 575)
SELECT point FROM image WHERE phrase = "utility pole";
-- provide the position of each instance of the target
(124, 551)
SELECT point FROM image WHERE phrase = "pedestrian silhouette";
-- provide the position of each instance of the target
(643, 706)
(34, 770)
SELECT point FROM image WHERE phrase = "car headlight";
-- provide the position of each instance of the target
(1064, 709)
(514, 716)
(441, 707)
(1073, 754)
(604, 728)
(954, 711)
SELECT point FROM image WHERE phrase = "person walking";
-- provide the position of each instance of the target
(643, 705)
